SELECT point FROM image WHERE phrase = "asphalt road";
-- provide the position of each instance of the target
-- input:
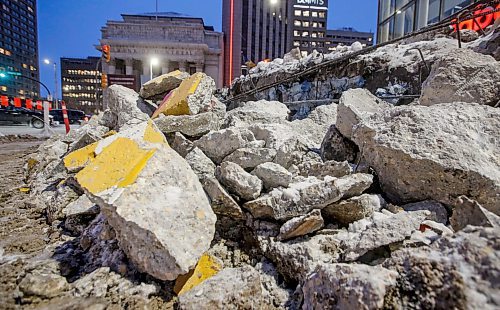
(26, 130)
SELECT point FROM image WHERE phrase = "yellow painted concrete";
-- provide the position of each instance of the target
(206, 268)
(119, 165)
(177, 103)
(81, 157)
(151, 134)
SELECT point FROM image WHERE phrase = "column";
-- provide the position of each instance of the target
(129, 66)
(112, 66)
(165, 67)
(199, 66)
(183, 66)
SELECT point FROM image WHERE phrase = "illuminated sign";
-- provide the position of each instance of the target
(483, 21)
(311, 2)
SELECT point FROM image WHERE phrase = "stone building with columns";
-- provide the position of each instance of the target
(177, 41)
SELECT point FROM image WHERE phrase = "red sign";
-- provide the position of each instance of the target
(17, 102)
(483, 21)
(29, 104)
(128, 81)
(5, 101)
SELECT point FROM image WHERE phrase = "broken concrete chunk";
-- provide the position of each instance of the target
(188, 125)
(382, 232)
(193, 96)
(201, 164)
(322, 169)
(253, 112)
(463, 76)
(163, 229)
(355, 106)
(238, 181)
(123, 104)
(222, 203)
(297, 258)
(158, 87)
(272, 175)
(337, 147)
(232, 288)
(179, 143)
(249, 158)
(424, 153)
(438, 211)
(207, 267)
(464, 267)
(300, 198)
(301, 225)
(343, 286)
(218, 144)
(353, 209)
(469, 212)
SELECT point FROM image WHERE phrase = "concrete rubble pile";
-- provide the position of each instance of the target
(358, 205)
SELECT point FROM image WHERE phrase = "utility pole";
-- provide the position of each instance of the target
(56, 86)
(156, 10)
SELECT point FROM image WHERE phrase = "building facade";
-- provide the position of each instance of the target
(176, 41)
(398, 18)
(19, 48)
(256, 30)
(81, 83)
(308, 25)
(347, 36)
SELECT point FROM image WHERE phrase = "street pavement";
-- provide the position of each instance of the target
(27, 130)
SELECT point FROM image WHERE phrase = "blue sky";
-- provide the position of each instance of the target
(71, 28)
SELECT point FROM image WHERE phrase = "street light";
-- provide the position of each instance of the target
(274, 2)
(154, 62)
(47, 62)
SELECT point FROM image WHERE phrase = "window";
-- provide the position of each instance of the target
(305, 33)
(296, 33)
(296, 43)
(315, 25)
(306, 13)
(305, 24)
(314, 34)
(314, 14)
(297, 23)
(434, 8)
(298, 13)
(321, 14)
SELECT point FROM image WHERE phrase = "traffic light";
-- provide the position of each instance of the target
(104, 81)
(106, 53)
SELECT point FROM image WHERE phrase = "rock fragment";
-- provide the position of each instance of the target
(158, 87)
(469, 212)
(336, 147)
(201, 164)
(301, 198)
(218, 144)
(322, 169)
(189, 125)
(193, 96)
(179, 143)
(252, 112)
(431, 152)
(353, 209)
(222, 203)
(238, 181)
(343, 286)
(438, 211)
(272, 175)
(163, 229)
(463, 76)
(123, 103)
(356, 105)
(249, 158)
(232, 288)
(301, 225)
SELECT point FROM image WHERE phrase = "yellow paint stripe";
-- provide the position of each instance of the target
(151, 134)
(81, 157)
(177, 103)
(206, 268)
(119, 164)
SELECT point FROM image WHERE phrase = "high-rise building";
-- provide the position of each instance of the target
(256, 30)
(347, 36)
(81, 82)
(19, 48)
(151, 44)
(398, 18)
(308, 20)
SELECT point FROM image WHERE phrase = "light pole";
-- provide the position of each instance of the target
(154, 62)
(47, 62)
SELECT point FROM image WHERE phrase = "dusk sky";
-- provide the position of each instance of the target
(71, 28)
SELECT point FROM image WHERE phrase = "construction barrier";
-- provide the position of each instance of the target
(17, 102)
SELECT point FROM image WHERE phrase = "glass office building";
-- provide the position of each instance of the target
(397, 18)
